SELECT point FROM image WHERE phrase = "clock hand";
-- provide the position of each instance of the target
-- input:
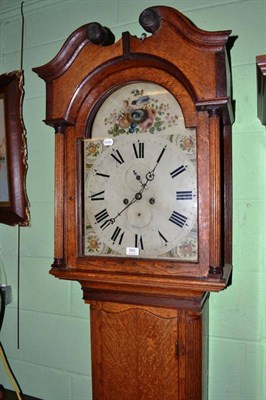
(151, 174)
(137, 196)
(138, 177)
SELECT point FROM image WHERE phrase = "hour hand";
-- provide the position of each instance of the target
(110, 221)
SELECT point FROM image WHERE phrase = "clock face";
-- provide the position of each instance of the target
(140, 184)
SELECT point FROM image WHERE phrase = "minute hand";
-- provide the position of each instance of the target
(150, 175)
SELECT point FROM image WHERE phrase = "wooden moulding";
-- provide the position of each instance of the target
(215, 196)
(80, 58)
(59, 201)
(261, 88)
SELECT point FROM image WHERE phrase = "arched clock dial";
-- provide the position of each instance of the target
(141, 196)
(140, 186)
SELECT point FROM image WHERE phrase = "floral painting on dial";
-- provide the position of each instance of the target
(139, 108)
(143, 113)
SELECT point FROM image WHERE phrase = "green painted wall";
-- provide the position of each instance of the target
(53, 359)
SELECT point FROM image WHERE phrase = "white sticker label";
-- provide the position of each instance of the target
(108, 142)
(132, 251)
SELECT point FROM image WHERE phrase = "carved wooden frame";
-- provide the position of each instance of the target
(14, 210)
(261, 88)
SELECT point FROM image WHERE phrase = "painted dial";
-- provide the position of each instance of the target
(140, 195)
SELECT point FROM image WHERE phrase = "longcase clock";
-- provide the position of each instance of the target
(143, 197)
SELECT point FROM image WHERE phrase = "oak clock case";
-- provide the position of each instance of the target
(140, 182)
(143, 197)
